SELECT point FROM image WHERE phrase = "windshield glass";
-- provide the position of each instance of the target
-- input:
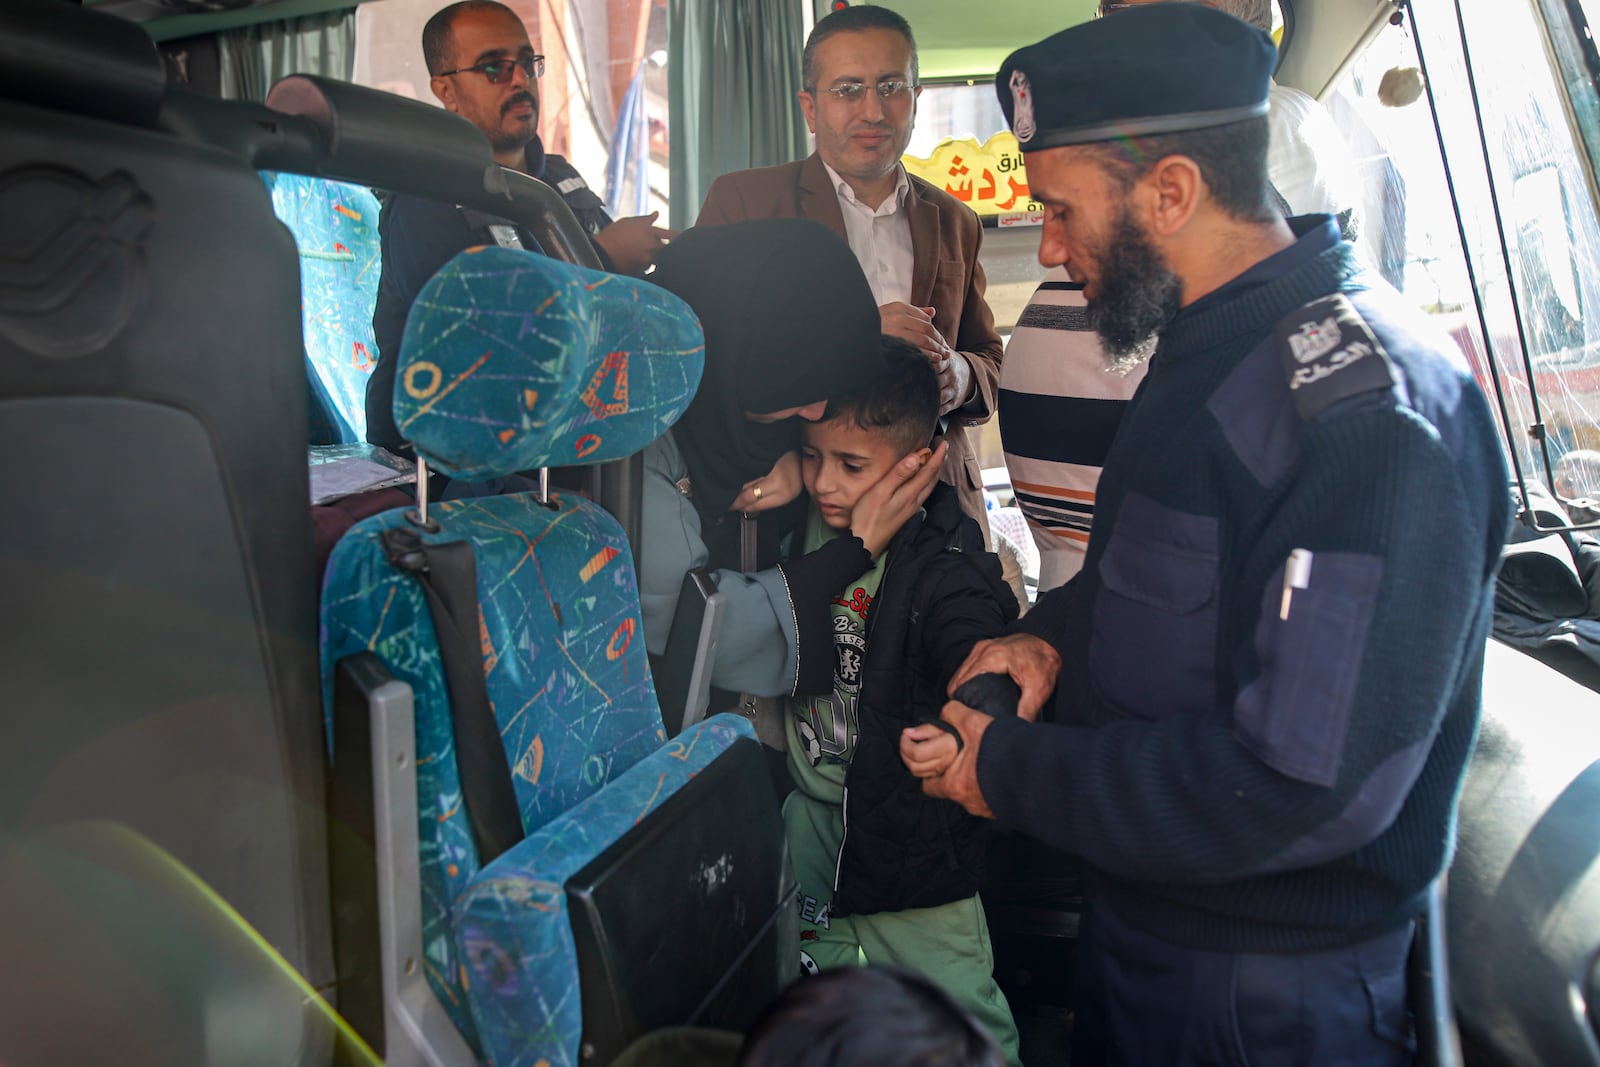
(1516, 278)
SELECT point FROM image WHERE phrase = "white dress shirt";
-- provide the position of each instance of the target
(1308, 161)
(880, 238)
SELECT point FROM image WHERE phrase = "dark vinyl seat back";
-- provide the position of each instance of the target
(1523, 904)
(157, 648)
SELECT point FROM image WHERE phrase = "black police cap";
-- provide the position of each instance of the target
(1145, 70)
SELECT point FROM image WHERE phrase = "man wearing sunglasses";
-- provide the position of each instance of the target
(483, 68)
(917, 244)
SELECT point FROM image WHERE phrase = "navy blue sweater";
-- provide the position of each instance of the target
(1240, 781)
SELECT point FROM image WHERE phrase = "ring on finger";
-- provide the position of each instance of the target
(755, 493)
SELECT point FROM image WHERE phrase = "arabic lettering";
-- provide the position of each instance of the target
(1338, 361)
(988, 188)
(1019, 191)
(963, 191)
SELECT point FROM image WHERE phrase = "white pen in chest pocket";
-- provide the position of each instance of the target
(1296, 575)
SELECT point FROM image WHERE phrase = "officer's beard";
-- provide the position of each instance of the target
(1138, 295)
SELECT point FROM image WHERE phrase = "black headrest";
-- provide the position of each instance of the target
(366, 126)
(65, 57)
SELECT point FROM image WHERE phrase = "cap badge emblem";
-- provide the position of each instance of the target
(1022, 123)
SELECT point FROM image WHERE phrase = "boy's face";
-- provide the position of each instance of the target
(840, 461)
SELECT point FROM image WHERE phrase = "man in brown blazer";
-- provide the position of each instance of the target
(917, 244)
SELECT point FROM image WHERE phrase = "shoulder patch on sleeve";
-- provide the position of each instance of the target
(1329, 353)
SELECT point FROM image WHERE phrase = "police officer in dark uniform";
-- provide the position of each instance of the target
(1262, 690)
(484, 69)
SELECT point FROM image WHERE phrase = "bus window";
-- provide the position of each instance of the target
(958, 109)
(1528, 274)
(967, 109)
(987, 173)
(603, 96)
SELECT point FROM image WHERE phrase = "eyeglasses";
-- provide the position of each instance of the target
(853, 92)
(1107, 8)
(498, 71)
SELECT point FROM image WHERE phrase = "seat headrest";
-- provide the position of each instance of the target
(512, 361)
(366, 129)
(68, 58)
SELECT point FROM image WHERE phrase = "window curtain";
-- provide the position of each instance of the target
(733, 70)
(628, 172)
(254, 58)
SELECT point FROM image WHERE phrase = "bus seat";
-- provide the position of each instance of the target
(335, 227)
(157, 669)
(191, 981)
(1523, 903)
(597, 925)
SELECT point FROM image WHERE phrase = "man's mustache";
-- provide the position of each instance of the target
(520, 98)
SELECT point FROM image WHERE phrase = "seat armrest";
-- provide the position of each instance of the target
(512, 921)
(384, 990)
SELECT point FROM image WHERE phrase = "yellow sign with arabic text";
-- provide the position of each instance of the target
(988, 178)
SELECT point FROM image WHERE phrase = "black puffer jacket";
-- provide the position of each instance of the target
(941, 593)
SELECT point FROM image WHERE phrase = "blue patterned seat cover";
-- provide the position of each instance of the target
(570, 686)
(335, 227)
(512, 361)
(583, 355)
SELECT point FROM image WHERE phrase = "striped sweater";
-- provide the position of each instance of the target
(1059, 408)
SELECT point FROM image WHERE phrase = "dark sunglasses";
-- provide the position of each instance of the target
(498, 71)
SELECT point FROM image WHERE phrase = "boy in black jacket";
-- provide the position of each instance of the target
(887, 875)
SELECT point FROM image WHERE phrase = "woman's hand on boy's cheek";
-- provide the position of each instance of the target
(959, 781)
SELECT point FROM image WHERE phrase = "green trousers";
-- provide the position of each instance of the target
(949, 944)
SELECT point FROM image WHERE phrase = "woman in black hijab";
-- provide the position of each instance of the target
(789, 321)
